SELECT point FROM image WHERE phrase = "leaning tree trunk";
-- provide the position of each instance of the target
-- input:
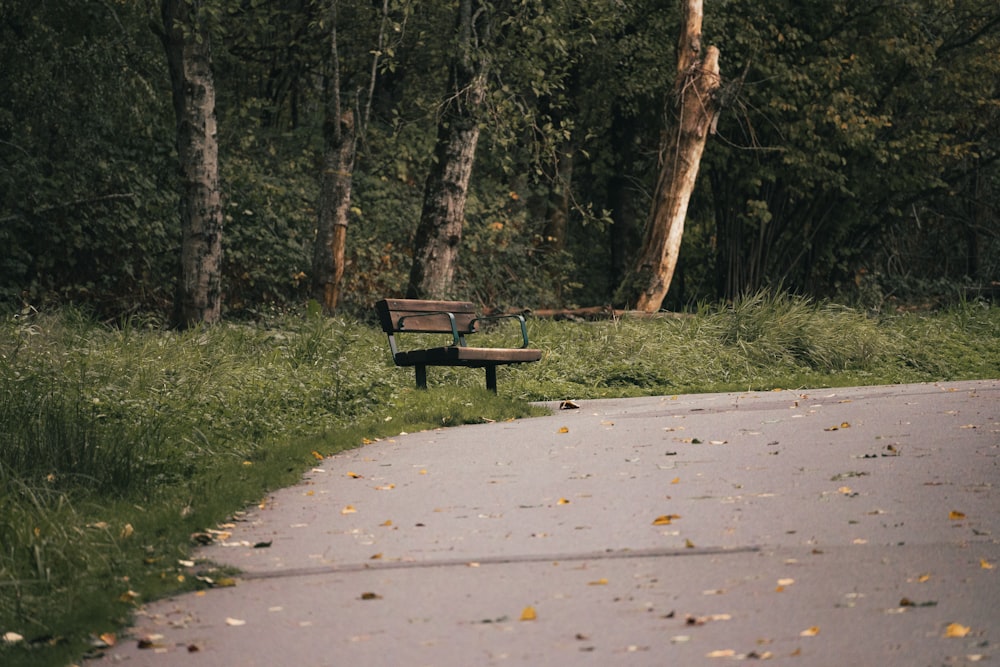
(697, 81)
(439, 233)
(189, 57)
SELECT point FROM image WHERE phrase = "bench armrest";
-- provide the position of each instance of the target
(519, 318)
(456, 339)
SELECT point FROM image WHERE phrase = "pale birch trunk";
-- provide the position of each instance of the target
(189, 57)
(695, 88)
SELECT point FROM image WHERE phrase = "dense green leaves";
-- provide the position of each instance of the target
(856, 155)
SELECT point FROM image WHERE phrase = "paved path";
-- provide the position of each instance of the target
(830, 527)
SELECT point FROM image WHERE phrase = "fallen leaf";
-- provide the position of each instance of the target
(718, 442)
(235, 622)
(675, 480)
(846, 490)
(665, 520)
(350, 509)
(316, 455)
(785, 582)
(985, 564)
(127, 531)
(688, 544)
(12, 638)
(924, 578)
(385, 487)
(810, 632)
(529, 614)
(568, 405)
(354, 475)
(724, 653)
(600, 582)
(562, 501)
(955, 515)
(371, 596)
(956, 630)
(564, 429)
(387, 522)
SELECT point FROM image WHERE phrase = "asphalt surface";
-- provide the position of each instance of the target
(851, 526)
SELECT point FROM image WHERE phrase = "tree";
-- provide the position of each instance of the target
(439, 232)
(337, 171)
(187, 42)
(694, 91)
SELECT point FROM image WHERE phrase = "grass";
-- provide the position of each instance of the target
(120, 443)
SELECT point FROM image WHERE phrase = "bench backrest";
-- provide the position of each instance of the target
(422, 316)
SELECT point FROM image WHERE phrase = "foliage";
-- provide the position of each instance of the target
(857, 156)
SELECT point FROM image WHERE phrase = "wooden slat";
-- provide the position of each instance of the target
(390, 311)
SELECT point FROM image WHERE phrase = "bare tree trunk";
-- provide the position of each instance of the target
(697, 81)
(335, 183)
(189, 57)
(334, 203)
(337, 171)
(439, 233)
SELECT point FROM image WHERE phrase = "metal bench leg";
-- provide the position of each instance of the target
(491, 378)
(421, 376)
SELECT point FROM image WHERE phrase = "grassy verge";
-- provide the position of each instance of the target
(119, 443)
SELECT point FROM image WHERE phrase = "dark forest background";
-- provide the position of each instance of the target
(855, 157)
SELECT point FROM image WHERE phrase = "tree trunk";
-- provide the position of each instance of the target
(334, 204)
(189, 57)
(697, 81)
(335, 183)
(439, 233)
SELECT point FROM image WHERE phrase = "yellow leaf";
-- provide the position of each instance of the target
(985, 564)
(665, 520)
(725, 653)
(529, 614)
(385, 487)
(675, 480)
(348, 510)
(600, 582)
(387, 522)
(846, 490)
(423, 471)
(956, 515)
(235, 622)
(924, 578)
(354, 475)
(810, 632)
(957, 630)
(377, 556)
(688, 544)
(366, 441)
(317, 455)
(562, 501)
(127, 531)
(564, 429)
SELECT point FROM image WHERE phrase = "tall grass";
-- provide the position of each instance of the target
(120, 442)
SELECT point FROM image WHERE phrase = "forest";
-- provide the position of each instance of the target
(854, 153)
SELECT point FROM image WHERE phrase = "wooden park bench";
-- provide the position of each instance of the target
(458, 319)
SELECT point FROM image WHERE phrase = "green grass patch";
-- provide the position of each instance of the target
(121, 442)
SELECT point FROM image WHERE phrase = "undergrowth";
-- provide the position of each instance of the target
(119, 443)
